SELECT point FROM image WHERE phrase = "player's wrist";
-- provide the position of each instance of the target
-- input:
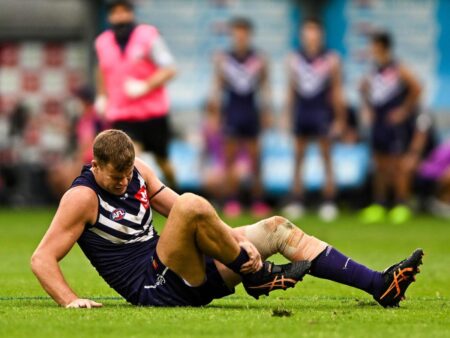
(68, 300)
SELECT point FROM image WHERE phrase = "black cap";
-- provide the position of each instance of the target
(110, 4)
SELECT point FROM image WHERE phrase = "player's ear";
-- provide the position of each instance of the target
(94, 164)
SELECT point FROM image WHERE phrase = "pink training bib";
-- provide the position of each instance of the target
(134, 62)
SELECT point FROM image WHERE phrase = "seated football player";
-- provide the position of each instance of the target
(109, 209)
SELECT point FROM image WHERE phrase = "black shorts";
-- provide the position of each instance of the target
(242, 130)
(390, 140)
(154, 134)
(314, 123)
(162, 287)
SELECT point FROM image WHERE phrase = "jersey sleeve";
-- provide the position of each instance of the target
(160, 53)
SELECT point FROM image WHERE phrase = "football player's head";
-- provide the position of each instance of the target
(380, 46)
(120, 12)
(311, 34)
(241, 31)
(113, 161)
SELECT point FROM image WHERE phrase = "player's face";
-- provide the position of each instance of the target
(241, 37)
(110, 179)
(311, 36)
(379, 53)
(120, 14)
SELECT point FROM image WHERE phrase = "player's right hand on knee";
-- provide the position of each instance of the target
(83, 303)
(254, 263)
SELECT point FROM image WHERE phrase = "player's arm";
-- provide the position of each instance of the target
(366, 111)
(100, 82)
(415, 90)
(74, 211)
(101, 98)
(337, 95)
(266, 95)
(163, 58)
(216, 89)
(161, 197)
(411, 100)
(418, 142)
(287, 118)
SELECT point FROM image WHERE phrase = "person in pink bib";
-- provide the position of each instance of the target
(134, 67)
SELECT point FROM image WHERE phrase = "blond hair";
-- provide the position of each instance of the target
(114, 147)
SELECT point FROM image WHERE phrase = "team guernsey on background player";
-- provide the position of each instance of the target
(197, 258)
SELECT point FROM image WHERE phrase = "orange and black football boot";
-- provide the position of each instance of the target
(274, 277)
(397, 278)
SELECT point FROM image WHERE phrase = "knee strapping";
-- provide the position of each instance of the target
(277, 234)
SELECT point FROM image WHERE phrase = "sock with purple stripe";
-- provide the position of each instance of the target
(333, 265)
(240, 260)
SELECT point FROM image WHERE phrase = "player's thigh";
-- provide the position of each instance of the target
(385, 165)
(254, 150)
(176, 247)
(231, 147)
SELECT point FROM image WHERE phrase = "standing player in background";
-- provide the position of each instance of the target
(391, 96)
(241, 102)
(316, 111)
(134, 66)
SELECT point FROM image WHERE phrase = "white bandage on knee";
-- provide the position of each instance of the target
(277, 234)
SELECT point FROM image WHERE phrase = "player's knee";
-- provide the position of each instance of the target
(278, 223)
(193, 205)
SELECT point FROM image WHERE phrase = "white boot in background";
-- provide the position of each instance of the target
(328, 212)
(293, 210)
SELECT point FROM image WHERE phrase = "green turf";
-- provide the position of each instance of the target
(315, 308)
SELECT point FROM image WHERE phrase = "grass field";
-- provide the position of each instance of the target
(315, 308)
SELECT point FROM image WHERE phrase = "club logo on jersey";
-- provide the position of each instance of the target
(142, 197)
(118, 214)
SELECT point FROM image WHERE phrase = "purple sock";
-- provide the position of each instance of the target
(333, 265)
(240, 260)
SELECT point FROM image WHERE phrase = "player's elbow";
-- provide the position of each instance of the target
(37, 262)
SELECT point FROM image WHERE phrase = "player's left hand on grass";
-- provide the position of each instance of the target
(83, 303)
(136, 88)
(254, 264)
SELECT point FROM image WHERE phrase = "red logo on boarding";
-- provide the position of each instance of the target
(141, 196)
